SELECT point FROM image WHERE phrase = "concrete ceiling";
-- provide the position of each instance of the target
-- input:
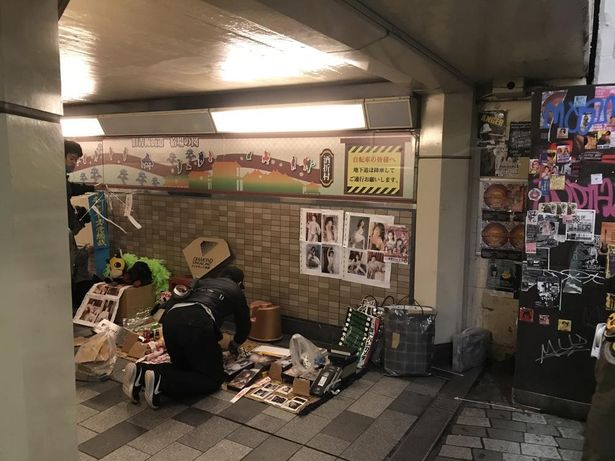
(117, 50)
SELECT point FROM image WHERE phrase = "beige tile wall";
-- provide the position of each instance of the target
(265, 239)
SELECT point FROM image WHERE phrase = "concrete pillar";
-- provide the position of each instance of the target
(604, 70)
(37, 420)
(441, 216)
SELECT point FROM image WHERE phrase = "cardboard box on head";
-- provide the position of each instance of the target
(205, 254)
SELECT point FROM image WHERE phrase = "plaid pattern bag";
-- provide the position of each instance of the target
(409, 337)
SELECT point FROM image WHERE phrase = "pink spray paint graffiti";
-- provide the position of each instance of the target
(597, 197)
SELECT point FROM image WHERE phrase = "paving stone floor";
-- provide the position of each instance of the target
(486, 433)
(364, 423)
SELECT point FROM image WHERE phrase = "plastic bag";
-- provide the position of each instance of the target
(96, 357)
(409, 333)
(470, 348)
(306, 357)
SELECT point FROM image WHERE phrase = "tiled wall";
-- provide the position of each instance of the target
(265, 238)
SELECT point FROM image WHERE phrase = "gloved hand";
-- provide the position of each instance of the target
(82, 215)
(233, 348)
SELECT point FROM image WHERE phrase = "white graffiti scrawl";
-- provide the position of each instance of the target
(564, 347)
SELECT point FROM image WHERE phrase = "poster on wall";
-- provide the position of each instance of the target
(503, 275)
(581, 227)
(492, 141)
(502, 240)
(515, 164)
(321, 232)
(501, 230)
(365, 242)
(375, 166)
(291, 166)
(367, 267)
(396, 244)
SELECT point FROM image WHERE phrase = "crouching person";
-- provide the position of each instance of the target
(191, 327)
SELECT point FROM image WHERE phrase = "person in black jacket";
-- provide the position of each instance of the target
(77, 217)
(81, 281)
(191, 327)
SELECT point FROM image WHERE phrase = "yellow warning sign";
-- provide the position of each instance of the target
(374, 170)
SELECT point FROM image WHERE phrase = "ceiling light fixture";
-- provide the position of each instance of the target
(81, 127)
(290, 118)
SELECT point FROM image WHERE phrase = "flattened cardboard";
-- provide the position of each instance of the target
(206, 253)
(500, 317)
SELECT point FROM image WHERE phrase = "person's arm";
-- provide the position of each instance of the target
(80, 188)
(242, 318)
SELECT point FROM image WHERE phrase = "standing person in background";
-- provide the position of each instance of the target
(77, 219)
(191, 324)
(77, 216)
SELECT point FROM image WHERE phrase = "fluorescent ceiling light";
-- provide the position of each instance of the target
(276, 119)
(81, 127)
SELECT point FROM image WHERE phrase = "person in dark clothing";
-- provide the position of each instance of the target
(77, 219)
(191, 328)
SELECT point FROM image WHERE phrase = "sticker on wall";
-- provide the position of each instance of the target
(581, 227)
(558, 182)
(526, 315)
(609, 305)
(607, 232)
(396, 244)
(540, 259)
(502, 275)
(548, 288)
(534, 195)
(564, 325)
(544, 320)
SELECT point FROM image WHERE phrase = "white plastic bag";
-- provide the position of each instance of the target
(306, 357)
(96, 357)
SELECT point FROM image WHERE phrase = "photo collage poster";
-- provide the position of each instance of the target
(321, 234)
(351, 246)
(365, 245)
(501, 231)
(100, 303)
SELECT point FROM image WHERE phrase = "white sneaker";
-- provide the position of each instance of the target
(152, 388)
(133, 381)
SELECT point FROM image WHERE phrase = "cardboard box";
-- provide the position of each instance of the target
(206, 253)
(134, 300)
(500, 312)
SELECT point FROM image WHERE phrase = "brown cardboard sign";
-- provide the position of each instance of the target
(205, 254)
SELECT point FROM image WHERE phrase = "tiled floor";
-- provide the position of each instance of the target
(489, 433)
(365, 422)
